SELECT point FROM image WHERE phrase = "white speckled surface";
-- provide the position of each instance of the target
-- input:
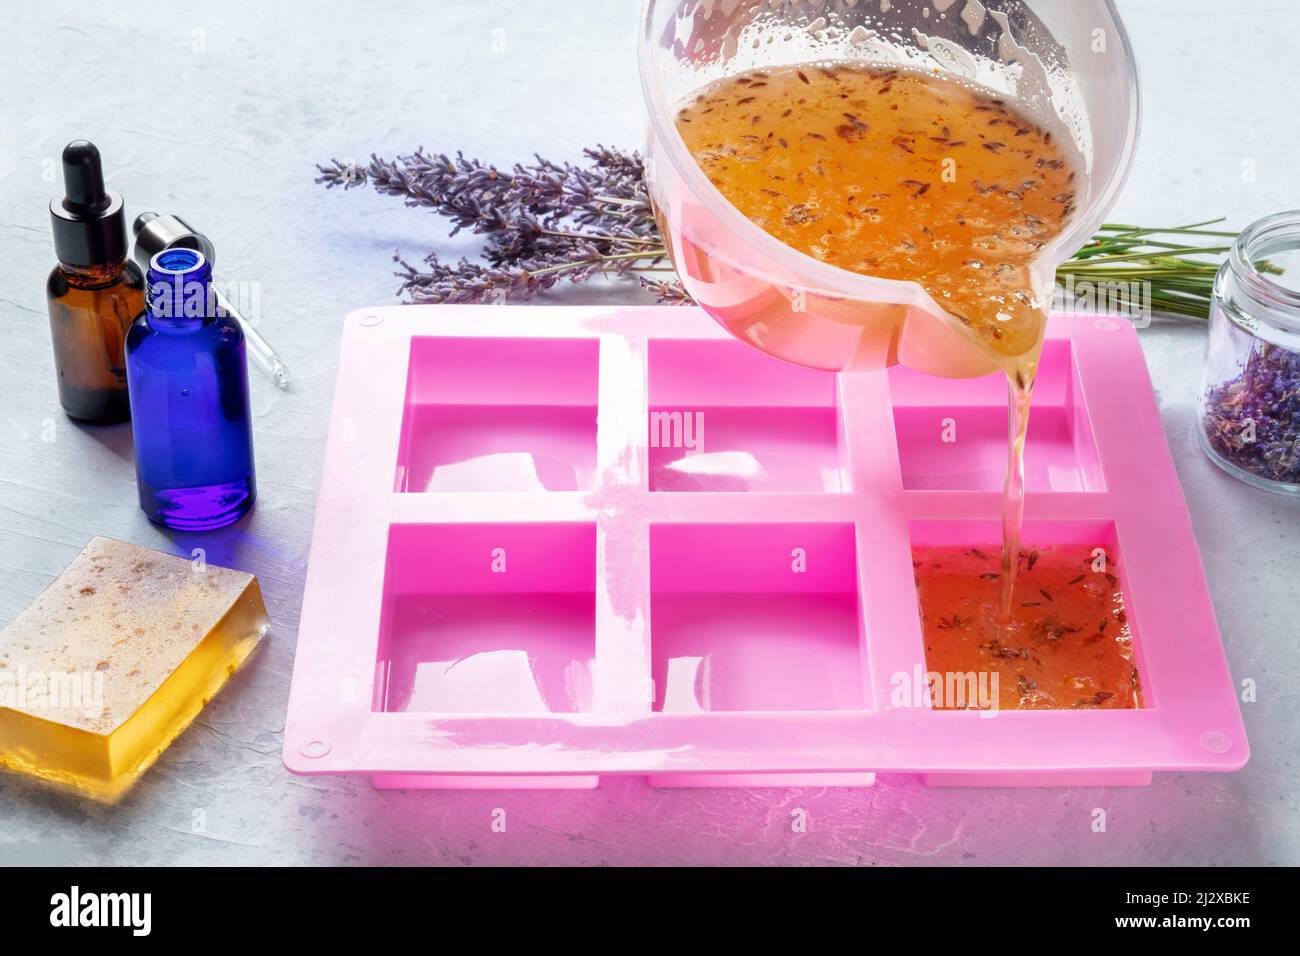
(218, 113)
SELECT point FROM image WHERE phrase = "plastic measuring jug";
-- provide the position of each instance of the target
(1066, 65)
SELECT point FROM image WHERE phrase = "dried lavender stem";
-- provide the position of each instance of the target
(596, 237)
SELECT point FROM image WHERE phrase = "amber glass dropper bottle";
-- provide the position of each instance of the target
(94, 293)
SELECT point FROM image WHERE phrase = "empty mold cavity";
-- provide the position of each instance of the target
(1072, 642)
(725, 417)
(488, 618)
(485, 414)
(755, 618)
(952, 433)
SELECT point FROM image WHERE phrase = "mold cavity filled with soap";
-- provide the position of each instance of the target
(1068, 644)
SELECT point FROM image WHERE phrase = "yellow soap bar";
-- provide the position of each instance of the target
(115, 658)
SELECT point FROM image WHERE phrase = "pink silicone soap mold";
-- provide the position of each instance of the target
(553, 544)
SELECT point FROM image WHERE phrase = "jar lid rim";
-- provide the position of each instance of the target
(1245, 251)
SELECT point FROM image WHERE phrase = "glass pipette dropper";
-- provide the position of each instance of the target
(154, 233)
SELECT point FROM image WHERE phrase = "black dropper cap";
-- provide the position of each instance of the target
(89, 222)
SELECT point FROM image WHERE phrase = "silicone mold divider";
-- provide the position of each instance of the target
(558, 543)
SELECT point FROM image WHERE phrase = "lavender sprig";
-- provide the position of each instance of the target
(544, 221)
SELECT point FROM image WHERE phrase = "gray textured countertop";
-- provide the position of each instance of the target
(219, 111)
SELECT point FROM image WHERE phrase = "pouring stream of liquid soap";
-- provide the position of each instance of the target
(903, 175)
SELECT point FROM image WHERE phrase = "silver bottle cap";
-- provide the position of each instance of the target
(155, 233)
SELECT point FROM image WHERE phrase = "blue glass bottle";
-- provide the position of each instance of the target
(187, 374)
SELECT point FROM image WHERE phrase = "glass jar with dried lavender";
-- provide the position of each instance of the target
(1250, 404)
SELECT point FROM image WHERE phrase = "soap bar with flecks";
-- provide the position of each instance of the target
(115, 658)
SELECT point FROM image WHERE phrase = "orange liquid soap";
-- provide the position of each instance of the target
(902, 175)
(115, 658)
(1067, 645)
